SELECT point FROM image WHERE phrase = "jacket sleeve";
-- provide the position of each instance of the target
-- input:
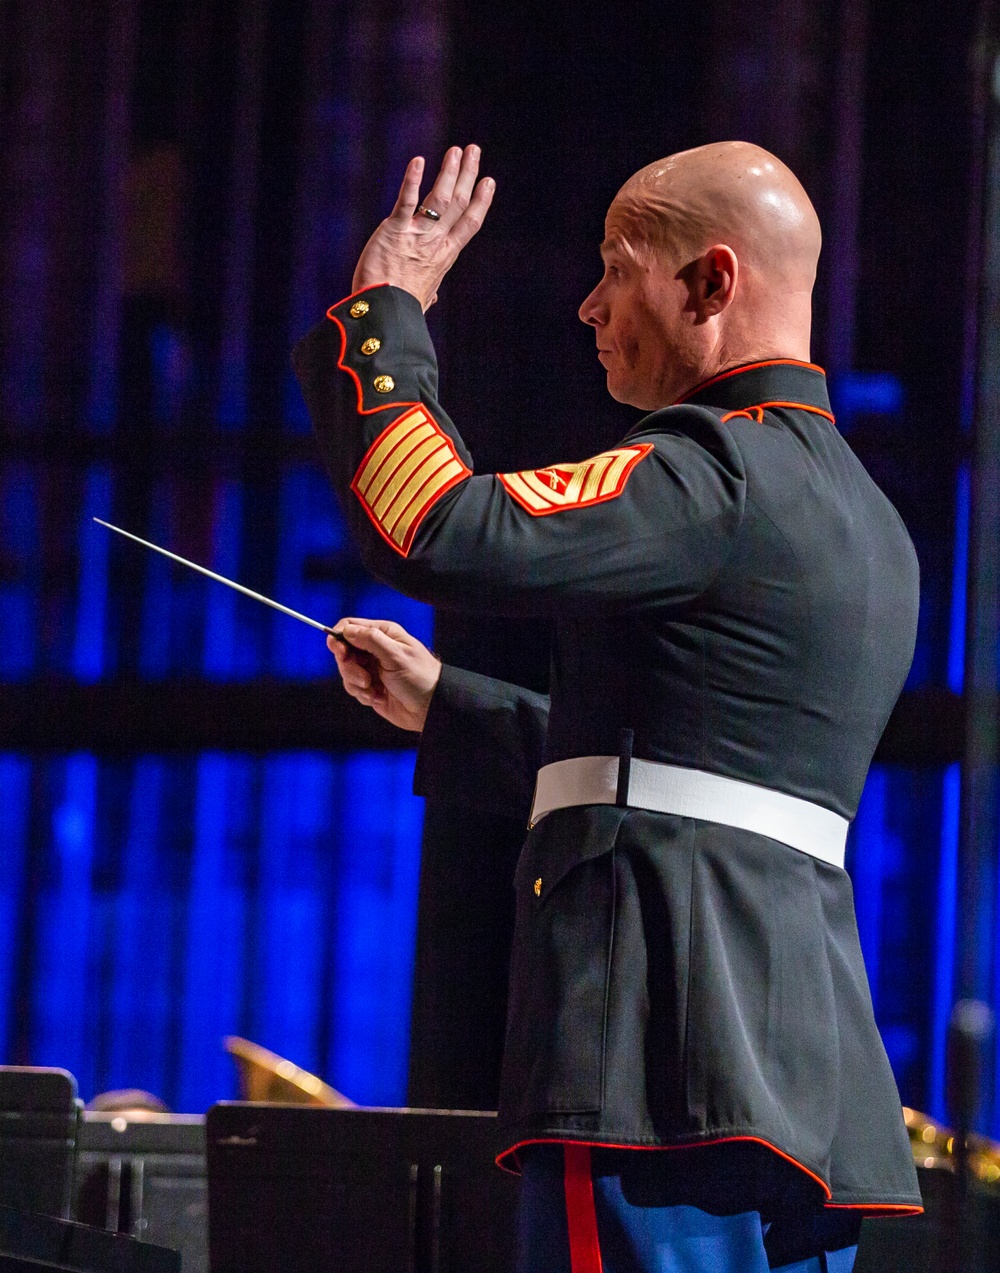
(482, 744)
(651, 520)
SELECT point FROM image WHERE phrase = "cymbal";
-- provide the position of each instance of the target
(264, 1076)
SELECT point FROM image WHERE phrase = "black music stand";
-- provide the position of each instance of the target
(384, 1191)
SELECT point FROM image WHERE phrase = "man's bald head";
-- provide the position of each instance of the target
(729, 192)
(710, 260)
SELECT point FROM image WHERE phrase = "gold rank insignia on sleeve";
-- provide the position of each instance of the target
(407, 469)
(562, 486)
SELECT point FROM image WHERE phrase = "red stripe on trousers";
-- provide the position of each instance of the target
(584, 1247)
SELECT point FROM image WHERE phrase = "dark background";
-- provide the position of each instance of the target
(186, 187)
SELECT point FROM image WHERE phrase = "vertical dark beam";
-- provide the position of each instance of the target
(767, 81)
(841, 223)
(115, 144)
(789, 75)
(398, 76)
(315, 282)
(375, 95)
(38, 33)
(234, 353)
(978, 849)
(417, 117)
(316, 203)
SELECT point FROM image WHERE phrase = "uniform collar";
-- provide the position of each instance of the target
(779, 381)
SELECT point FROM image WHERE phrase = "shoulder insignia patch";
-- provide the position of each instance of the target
(407, 469)
(562, 486)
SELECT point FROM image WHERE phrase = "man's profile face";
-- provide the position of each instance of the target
(644, 327)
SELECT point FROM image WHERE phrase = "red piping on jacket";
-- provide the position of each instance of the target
(439, 493)
(765, 406)
(751, 366)
(875, 1208)
(342, 366)
(404, 408)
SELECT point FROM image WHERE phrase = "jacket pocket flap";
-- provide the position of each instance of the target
(562, 840)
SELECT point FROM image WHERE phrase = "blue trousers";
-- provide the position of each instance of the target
(575, 1219)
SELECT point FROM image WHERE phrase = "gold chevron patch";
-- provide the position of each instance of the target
(408, 468)
(562, 486)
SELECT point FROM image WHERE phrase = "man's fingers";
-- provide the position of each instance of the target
(377, 644)
(385, 648)
(454, 185)
(472, 218)
(391, 629)
(387, 626)
(355, 675)
(409, 191)
(444, 184)
(467, 174)
(345, 654)
(370, 639)
(358, 668)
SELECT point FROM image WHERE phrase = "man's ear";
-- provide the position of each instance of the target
(716, 276)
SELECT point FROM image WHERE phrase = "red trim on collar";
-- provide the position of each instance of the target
(342, 366)
(761, 407)
(750, 366)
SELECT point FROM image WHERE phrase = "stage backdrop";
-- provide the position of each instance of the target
(186, 188)
(197, 834)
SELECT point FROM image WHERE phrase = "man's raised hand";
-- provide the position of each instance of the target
(414, 251)
(386, 669)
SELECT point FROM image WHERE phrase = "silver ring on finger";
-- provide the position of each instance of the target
(424, 211)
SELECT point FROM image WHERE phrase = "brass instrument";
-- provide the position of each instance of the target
(934, 1146)
(265, 1076)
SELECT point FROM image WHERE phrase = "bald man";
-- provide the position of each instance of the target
(692, 1075)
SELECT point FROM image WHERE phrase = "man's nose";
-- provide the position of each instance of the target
(592, 310)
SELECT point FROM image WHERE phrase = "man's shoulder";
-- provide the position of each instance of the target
(683, 417)
(686, 430)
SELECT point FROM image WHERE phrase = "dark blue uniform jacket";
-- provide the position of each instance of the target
(730, 585)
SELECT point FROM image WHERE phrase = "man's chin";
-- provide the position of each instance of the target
(618, 388)
(627, 393)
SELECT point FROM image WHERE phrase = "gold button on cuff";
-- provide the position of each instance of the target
(538, 887)
(371, 346)
(359, 309)
(384, 384)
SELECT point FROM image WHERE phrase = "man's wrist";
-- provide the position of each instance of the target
(363, 282)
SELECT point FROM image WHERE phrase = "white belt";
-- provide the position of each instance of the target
(693, 793)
